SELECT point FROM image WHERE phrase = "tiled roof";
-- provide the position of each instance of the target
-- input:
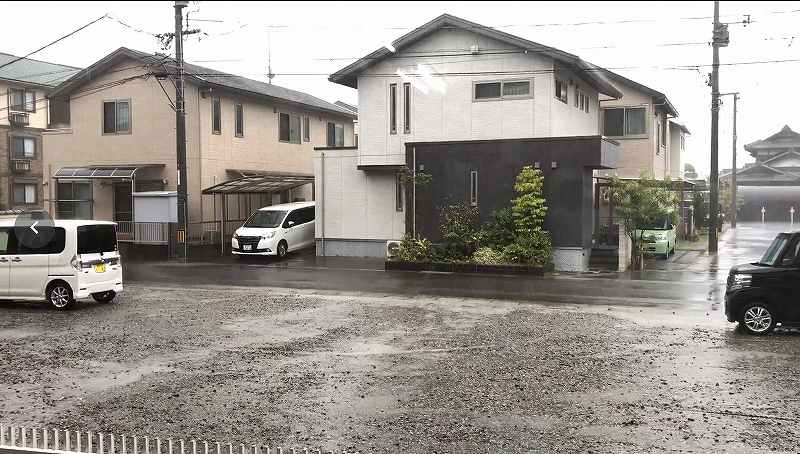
(34, 72)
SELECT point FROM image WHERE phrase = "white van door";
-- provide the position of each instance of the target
(29, 263)
(308, 226)
(97, 250)
(293, 231)
(5, 260)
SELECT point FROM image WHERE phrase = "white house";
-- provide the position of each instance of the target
(453, 85)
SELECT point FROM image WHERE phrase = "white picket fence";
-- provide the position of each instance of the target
(24, 440)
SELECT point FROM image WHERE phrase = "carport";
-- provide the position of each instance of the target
(248, 190)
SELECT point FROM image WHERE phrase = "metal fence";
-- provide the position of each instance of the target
(23, 440)
(143, 232)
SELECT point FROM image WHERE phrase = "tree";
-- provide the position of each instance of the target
(689, 172)
(641, 203)
(532, 245)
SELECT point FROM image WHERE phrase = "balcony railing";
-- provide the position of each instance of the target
(18, 119)
(20, 165)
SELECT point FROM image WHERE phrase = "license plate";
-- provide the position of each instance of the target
(248, 247)
(100, 268)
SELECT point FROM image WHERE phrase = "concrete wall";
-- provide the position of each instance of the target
(152, 138)
(442, 107)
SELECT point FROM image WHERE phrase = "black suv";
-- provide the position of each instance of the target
(762, 294)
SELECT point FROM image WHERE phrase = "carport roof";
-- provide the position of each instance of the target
(254, 182)
(101, 171)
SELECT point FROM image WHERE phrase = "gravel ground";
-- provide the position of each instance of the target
(379, 373)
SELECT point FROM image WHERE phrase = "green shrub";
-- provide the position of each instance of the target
(530, 248)
(458, 226)
(414, 249)
(500, 231)
(488, 256)
(530, 206)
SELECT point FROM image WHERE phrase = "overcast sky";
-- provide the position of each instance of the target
(311, 40)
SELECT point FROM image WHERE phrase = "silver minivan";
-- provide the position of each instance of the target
(276, 230)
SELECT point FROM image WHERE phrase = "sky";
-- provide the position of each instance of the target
(663, 45)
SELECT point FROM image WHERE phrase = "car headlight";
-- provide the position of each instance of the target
(268, 236)
(740, 281)
(235, 236)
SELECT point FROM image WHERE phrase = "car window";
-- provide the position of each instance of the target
(790, 256)
(294, 217)
(307, 215)
(55, 245)
(94, 239)
(4, 237)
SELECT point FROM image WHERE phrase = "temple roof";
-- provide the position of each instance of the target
(783, 140)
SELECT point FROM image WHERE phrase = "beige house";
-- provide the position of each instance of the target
(642, 122)
(249, 143)
(24, 85)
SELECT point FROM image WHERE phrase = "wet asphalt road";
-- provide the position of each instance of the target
(344, 367)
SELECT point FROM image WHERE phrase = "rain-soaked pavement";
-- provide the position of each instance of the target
(648, 365)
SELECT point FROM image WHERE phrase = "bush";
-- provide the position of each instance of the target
(500, 231)
(530, 248)
(458, 225)
(414, 249)
(488, 256)
(530, 206)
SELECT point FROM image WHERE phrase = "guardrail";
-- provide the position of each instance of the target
(22, 440)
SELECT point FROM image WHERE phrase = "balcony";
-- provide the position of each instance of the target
(19, 119)
(20, 165)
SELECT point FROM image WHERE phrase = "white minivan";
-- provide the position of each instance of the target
(60, 261)
(276, 230)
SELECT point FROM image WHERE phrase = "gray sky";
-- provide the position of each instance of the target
(305, 36)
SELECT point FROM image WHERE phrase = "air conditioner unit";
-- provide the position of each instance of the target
(392, 247)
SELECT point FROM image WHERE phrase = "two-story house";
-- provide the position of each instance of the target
(470, 106)
(248, 141)
(24, 85)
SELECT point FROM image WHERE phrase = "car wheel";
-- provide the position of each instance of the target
(283, 249)
(59, 295)
(104, 297)
(757, 318)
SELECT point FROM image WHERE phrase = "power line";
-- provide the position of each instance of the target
(53, 42)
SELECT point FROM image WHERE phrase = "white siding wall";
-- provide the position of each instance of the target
(442, 107)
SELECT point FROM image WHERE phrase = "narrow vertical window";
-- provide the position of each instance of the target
(393, 108)
(407, 107)
(331, 134)
(109, 117)
(216, 116)
(306, 129)
(239, 112)
(473, 188)
(399, 192)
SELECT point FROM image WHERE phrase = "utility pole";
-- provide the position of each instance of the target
(734, 205)
(720, 39)
(180, 129)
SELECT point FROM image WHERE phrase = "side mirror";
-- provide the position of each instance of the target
(290, 223)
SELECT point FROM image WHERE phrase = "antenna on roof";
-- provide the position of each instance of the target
(270, 75)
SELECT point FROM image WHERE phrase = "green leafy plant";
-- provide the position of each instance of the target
(500, 231)
(419, 178)
(414, 248)
(641, 203)
(530, 248)
(458, 226)
(530, 206)
(488, 256)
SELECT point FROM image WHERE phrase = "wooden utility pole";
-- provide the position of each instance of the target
(734, 205)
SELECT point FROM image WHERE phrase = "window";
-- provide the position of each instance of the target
(393, 108)
(406, 108)
(94, 239)
(216, 115)
(23, 147)
(335, 135)
(624, 121)
(561, 91)
(473, 188)
(502, 90)
(306, 129)
(239, 112)
(4, 240)
(289, 128)
(399, 192)
(663, 135)
(22, 100)
(116, 117)
(586, 99)
(683, 142)
(74, 200)
(581, 100)
(658, 137)
(306, 215)
(295, 217)
(24, 193)
(55, 245)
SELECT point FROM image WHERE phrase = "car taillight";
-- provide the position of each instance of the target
(76, 263)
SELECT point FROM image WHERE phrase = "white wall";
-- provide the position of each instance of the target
(442, 107)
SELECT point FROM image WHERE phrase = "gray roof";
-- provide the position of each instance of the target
(34, 72)
(349, 107)
(204, 77)
(590, 73)
(785, 138)
(658, 97)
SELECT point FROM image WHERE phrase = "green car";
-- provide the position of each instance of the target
(659, 238)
